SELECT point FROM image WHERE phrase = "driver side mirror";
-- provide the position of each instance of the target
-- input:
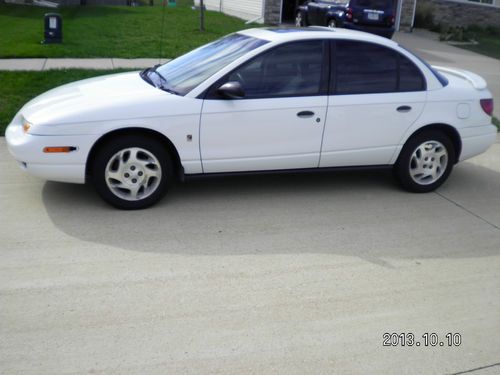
(231, 90)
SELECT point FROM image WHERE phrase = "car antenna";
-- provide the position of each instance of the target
(162, 30)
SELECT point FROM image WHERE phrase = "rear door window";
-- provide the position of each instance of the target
(368, 68)
(410, 77)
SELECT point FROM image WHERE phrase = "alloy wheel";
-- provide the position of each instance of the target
(133, 174)
(428, 162)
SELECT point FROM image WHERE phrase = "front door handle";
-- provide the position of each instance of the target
(404, 108)
(305, 114)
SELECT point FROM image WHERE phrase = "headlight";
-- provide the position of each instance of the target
(26, 126)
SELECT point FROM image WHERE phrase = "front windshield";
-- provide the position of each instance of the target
(188, 71)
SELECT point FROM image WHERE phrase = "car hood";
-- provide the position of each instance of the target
(110, 97)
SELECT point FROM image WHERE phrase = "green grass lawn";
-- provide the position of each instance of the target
(111, 31)
(17, 88)
(488, 43)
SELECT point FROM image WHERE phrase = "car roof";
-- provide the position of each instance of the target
(285, 34)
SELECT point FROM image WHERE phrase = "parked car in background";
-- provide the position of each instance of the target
(372, 16)
(269, 99)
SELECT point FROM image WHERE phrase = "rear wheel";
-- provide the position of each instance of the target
(425, 162)
(332, 23)
(132, 172)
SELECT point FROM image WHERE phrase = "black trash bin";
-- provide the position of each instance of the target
(53, 28)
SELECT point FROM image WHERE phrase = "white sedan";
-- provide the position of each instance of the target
(268, 99)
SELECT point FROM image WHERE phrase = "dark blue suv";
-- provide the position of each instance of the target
(372, 16)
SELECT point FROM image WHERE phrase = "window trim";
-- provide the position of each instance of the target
(333, 79)
(210, 92)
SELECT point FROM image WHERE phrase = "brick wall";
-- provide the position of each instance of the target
(455, 13)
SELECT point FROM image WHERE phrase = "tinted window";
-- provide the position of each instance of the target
(441, 78)
(189, 70)
(363, 68)
(366, 68)
(410, 77)
(373, 4)
(294, 69)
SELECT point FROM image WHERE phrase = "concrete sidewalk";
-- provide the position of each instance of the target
(66, 63)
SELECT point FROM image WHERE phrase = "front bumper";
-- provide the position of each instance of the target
(27, 149)
(386, 32)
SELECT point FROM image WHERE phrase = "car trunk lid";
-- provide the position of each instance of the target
(475, 80)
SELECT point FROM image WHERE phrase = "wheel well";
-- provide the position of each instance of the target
(179, 170)
(450, 131)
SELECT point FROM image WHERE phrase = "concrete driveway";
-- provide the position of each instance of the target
(293, 274)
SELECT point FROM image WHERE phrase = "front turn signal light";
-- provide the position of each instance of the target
(58, 149)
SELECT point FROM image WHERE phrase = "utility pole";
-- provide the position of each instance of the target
(202, 16)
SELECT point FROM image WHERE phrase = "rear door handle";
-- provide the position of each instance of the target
(305, 114)
(404, 108)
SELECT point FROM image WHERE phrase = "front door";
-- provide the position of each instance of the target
(278, 124)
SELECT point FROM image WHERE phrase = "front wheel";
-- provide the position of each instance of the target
(132, 172)
(425, 162)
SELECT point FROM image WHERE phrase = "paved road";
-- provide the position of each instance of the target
(278, 274)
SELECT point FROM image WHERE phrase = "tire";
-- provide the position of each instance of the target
(132, 172)
(425, 162)
(332, 23)
(299, 21)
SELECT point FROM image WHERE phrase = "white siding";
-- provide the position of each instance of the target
(246, 9)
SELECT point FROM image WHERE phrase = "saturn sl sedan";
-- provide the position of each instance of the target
(259, 100)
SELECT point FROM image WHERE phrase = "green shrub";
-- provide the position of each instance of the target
(458, 34)
(496, 122)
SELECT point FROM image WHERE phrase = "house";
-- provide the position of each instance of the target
(448, 12)
(463, 13)
(283, 11)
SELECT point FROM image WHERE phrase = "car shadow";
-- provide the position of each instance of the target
(352, 213)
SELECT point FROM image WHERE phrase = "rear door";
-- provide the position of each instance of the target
(377, 94)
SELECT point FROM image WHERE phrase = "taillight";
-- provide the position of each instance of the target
(487, 106)
(348, 13)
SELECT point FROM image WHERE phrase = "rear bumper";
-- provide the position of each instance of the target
(64, 167)
(476, 140)
(386, 32)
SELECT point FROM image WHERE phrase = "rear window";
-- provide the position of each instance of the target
(373, 4)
